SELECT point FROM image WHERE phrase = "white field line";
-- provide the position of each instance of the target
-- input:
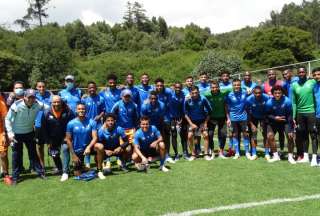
(244, 205)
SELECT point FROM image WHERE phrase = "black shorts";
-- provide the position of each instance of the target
(199, 130)
(39, 136)
(239, 126)
(79, 166)
(256, 122)
(318, 124)
(149, 152)
(280, 128)
(306, 122)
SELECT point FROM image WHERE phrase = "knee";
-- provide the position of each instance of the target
(162, 146)
(4, 154)
(98, 147)
(190, 135)
(270, 136)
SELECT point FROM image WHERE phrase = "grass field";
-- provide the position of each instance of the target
(188, 186)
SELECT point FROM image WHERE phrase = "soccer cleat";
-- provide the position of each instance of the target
(64, 177)
(170, 160)
(248, 156)
(254, 157)
(236, 157)
(221, 156)
(314, 162)
(191, 158)
(274, 159)
(101, 176)
(7, 180)
(119, 162)
(208, 158)
(291, 160)
(267, 157)
(176, 158)
(304, 160)
(164, 169)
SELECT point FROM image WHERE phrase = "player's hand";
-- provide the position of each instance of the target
(144, 160)
(11, 137)
(117, 150)
(109, 153)
(228, 123)
(153, 145)
(279, 119)
(75, 159)
(193, 126)
(87, 151)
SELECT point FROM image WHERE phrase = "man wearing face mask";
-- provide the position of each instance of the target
(17, 94)
(19, 124)
(71, 95)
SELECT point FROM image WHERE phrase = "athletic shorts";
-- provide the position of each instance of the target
(79, 166)
(39, 136)
(239, 126)
(256, 122)
(149, 152)
(278, 128)
(199, 130)
(3, 146)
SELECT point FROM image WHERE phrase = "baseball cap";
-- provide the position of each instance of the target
(126, 92)
(30, 93)
(69, 77)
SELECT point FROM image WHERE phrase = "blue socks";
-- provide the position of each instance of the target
(246, 143)
(236, 145)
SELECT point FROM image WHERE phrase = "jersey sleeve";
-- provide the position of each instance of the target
(156, 131)
(93, 125)
(207, 105)
(136, 138)
(69, 128)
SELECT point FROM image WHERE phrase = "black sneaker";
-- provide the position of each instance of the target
(124, 168)
(43, 177)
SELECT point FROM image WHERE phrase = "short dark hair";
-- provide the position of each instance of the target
(144, 118)
(145, 74)
(112, 76)
(236, 80)
(277, 88)
(109, 115)
(159, 80)
(203, 73)
(215, 82)
(18, 82)
(257, 87)
(153, 93)
(189, 77)
(130, 74)
(315, 69)
(81, 104)
(224, 72)
(40, 81)
(92, 82)
(177, 82)
(194, 88)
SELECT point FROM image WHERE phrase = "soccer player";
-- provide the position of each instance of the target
(288, 80)
(54, 124)
(111, 94)
(247, 84)
(176, 115)
(4, 143)
(279, 113)
(19, 124)
(164, 95)
(71, 95)
(304, 116)
(45, 97)
(316, 91)
(81, 136)
(17, 94)
(144, 89)
(188, 85)
(237, 117)
(95, 108)
(217, 117)
(204, 85)
(256, 116)
(134, 90)
(196, 110)
(271, 82)
(225, 84)
(109, 143)
(154, 109)
(148, 143)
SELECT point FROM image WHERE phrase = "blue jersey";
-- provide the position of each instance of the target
(186, 91)
(111, 138)
(144, 139)
(197, 110)
(286, 84)
(236, 104)
(110, 96)
(248, 87)
(316, 92)
(81, 132)
(176, 104)
(225, 86)
(282, 107)
(154, 112)
(164, 97)
(255, 107)
(94, 105)
(135, 94)
(72, 97)
(127, 114)
(46, 99)
(203, 87)
(144, 93)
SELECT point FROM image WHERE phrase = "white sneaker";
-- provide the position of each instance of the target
(221, 155)
(304, 160)
(291, 160)
(64, 177)
(87, 166)
(254, 157)
(314, 162)
(267, 157)
(274, 159)
(101, 176)
(164, 169)
(191, 158)
(248, 156)
(208, 158)
(170, 160)
(236, 157)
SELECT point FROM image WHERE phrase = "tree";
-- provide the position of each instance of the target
(128, 17)
(36, 10)
(195, 37)
(278, 46)
(48, 55)
(216, 61)
(163, 28)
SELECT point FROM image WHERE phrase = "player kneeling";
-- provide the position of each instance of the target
(109, 144)
(148, 143)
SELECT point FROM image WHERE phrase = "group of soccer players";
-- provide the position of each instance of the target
(139, 123)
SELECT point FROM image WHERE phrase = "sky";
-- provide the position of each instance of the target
(219, 15)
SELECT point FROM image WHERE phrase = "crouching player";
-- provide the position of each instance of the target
(279, 113)
(148, 143)
(109, 144)
(81, 137)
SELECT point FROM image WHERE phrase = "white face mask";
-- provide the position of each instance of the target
(19, 91)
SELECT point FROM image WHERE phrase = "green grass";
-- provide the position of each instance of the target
(188, 186)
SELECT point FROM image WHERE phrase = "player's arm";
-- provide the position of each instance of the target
(186, 115)
(70, 146)
(94, 140)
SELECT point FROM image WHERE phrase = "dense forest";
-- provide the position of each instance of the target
(48, 51)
